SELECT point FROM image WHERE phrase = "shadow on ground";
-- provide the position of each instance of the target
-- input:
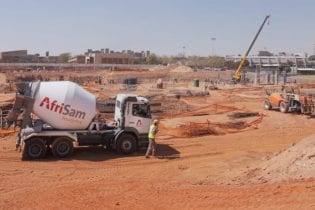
(95, 153)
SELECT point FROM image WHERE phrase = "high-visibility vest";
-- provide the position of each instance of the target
(151, 134)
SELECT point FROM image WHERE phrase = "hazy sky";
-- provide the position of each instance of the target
(162, 26)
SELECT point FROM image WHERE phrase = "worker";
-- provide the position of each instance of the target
(152, 132)
(206, 84)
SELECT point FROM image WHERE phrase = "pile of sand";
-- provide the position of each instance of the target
(157, 68)
(182, 69)
(295, 163)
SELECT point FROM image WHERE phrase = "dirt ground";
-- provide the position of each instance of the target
(201, 172)
(2, 78)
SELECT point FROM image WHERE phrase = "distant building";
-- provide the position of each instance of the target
(311, 59)
(50, 59)
(14, 53)
(81, 59)
(21, 56)
(17, 56)
(267, 61)
(103, 56)
(113, 58)
(107, 56)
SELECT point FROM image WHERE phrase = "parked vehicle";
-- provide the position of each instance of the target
(285, 102)
(307, 104)
(67, 114)
(290, 100)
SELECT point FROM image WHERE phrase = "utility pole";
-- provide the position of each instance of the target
(212, 45)
(183, 58)
(212, 49)
(184, 48)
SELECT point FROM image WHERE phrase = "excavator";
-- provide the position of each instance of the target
(237, 74)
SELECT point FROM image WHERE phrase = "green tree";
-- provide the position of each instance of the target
(153, 59)
(216, 61)
(64, 57)
(265, 53)
(230, 64)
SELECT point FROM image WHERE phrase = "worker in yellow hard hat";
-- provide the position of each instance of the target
(152, 133)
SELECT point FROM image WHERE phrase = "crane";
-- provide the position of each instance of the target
(237, 74)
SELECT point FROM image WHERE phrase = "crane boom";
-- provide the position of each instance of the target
(237, 74)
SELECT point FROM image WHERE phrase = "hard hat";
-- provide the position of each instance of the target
(155, 121)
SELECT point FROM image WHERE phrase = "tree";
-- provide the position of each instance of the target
(153, 59)
(265, 53)
(246, 63)
(64, 57)
(230, 64)
(282, 54)
(216, 61)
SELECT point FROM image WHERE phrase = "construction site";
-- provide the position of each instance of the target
(76, 131)
(220, 145)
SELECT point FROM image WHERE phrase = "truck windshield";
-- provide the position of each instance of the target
(141, 110)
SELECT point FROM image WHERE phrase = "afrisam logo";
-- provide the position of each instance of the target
(139, 123)
(63, 109)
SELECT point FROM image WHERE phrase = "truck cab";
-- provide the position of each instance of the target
(133, 118)
(133, 112)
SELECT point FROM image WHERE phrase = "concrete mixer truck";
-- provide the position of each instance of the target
(66, 113)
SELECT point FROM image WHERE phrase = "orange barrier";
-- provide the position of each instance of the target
(6, 132)
(193, 129)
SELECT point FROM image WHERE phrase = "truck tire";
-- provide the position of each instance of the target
(62, 147)
(283, 107)
(126, 144)
(267, 105)
(34, 148)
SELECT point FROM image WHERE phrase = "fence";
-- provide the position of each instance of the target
(74, 65)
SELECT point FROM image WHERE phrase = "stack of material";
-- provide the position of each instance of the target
(199, 129)
(187, 93)
(243, 114)
(182, 69)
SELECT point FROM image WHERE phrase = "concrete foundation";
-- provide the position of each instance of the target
(257, 77)
(267, 78)
(276, 77)
(284, 77)
(270, 76)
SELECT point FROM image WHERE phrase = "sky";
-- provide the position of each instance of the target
(165, 27)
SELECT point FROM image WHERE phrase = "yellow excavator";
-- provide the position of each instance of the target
(237, 74)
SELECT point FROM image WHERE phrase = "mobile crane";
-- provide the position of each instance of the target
(237, 74)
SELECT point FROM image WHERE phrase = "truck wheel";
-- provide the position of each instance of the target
(267, 105)
(62, 147)
(284, 107)
(126, 144)
(34, 148)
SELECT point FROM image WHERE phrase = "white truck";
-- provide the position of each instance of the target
(67, 114)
